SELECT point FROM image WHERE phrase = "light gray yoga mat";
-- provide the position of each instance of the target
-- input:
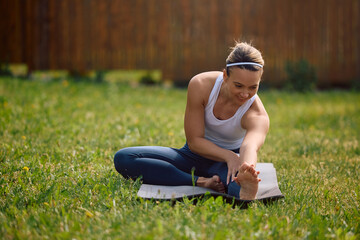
(268, 189)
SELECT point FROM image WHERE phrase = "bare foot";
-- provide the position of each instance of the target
(213, 183)
(248, 179)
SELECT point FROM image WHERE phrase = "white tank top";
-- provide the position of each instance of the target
(227, 133)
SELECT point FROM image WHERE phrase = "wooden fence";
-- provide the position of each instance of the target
(182, 37)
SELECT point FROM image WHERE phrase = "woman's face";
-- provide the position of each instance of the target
(242, 84)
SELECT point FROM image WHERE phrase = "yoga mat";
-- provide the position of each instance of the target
(268, 189)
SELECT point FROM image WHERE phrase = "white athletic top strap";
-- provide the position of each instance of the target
(227, 133)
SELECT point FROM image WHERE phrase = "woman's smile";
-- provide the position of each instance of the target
(242, 100)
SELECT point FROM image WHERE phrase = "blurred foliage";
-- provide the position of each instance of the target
(301, 76)
(100, 76)
(148, 79)
(355, 84)
(5, 70)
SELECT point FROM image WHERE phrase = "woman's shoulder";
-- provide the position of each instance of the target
(200, 86)
(256, 114)
(206, 76)
(205, 81)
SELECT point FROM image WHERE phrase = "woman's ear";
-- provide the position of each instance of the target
(225, 76)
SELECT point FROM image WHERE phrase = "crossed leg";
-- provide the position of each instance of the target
(162, 166)
(165, 166)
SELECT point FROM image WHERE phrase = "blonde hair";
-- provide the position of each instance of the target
(244, 52)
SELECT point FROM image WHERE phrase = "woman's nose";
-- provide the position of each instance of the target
(244, 94)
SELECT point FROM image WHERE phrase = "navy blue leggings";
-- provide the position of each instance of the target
(170, 166)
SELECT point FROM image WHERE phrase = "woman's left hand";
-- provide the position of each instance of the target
(233, 165)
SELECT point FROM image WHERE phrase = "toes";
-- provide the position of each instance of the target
(220, 187)
(244, 167)
(253, 171)
(253, 168)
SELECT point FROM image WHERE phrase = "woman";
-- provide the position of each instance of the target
(225, 126)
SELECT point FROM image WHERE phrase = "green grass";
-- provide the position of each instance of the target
(57, 178)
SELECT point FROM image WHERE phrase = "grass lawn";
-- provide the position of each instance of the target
(57, 178)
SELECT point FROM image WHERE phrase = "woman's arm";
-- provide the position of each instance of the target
(198, 92)
(256, 122)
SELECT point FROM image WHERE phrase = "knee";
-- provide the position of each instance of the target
(121, 160)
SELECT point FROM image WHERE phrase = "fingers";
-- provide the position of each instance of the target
(253, 170)
(244, 167)
(256, 173)
(231, 176)
(236, 179)
(249, 168)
